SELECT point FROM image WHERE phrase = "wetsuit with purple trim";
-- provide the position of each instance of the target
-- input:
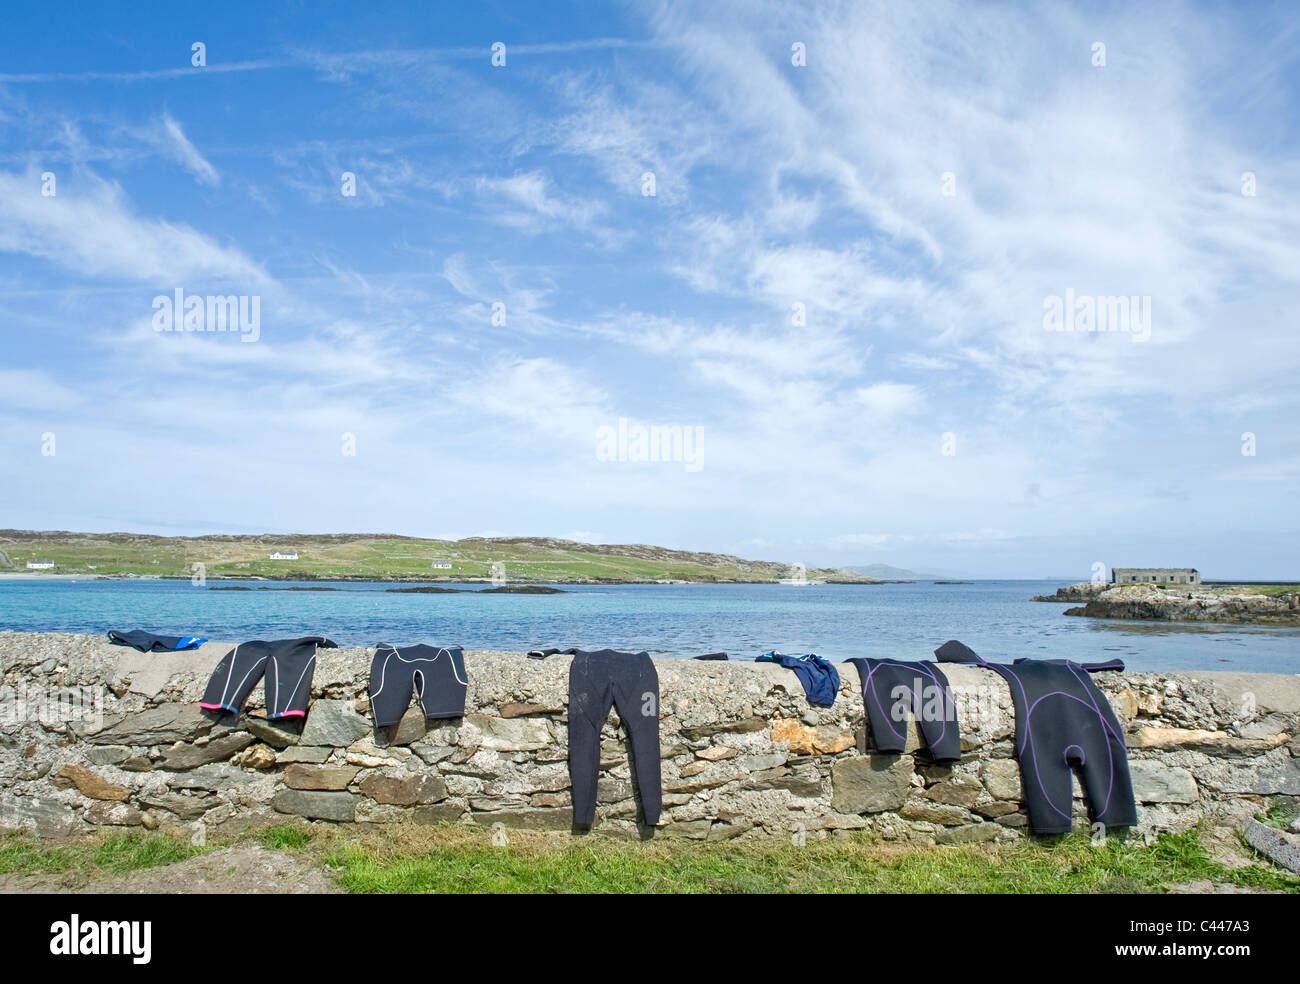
(891, 689)
(1063, 723)
(287, 664)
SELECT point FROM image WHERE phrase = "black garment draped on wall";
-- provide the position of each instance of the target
(436, 674)
(891, 689)
(1063, 723)
(288, 664)
(628, 682)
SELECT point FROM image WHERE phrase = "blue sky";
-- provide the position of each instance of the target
(839, 283)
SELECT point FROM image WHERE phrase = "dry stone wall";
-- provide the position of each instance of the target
(98, 736)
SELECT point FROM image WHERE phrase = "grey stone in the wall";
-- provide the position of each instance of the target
(838, 821)
(691, 829)
(806, 783)
(368, 811)
(707, 777)
(730, 831)
(1275, 773)
(931, 812)
(871, 784)
(975, 833)
(725, 727)
(210, 778)
(334, 722)
(1001, 777)
(339, 807)
(760, 763)
(411, 728)
(613, 790)
(550, 777)
(958, 791)
(432, 754)
(311, 754)
(558, 799)
(1268, 726)
(1155, 782)
(439, 812)
(510, 734)
(39, 815)
(187, 756)
(104, 813)
(527, 819)
(108, 754)
(404, 790)
(999, 808)
(319, 777)
(154, 726)
(185, 807)
(274, 733)
(492, 804)
(367, 753)
(1277, 845)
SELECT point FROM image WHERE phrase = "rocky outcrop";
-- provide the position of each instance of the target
(98, 736)
(1083, 591)
(1181, 604)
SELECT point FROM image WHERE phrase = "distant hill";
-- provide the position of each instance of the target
(887, 573)
(382, 557)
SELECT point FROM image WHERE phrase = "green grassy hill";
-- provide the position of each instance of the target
(379, 557)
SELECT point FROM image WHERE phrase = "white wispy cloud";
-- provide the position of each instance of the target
(93, 231)
(187, 154)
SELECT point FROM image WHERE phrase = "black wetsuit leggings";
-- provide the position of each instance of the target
(891, 689)
(288, 665)
(629, 683)
(1063, 723)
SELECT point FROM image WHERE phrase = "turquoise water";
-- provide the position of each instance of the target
(995, 618)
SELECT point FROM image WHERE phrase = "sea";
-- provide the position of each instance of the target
(901, 621)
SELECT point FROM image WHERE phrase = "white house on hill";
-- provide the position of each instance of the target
(292, 555)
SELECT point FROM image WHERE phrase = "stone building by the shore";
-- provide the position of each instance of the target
(1155, 575)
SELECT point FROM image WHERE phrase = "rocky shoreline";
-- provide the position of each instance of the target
(1179, 604)
(1083, 591)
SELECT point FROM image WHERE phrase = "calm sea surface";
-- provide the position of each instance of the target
(905, 621)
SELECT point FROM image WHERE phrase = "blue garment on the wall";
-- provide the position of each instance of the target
(147, 642)
(820, 679)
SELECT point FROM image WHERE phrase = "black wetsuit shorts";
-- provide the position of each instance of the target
(436, 674)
